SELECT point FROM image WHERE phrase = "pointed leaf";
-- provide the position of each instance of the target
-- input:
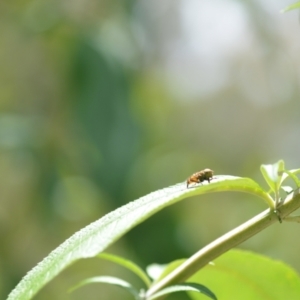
(110, 280)
(127, 264)
(155, 270)
(287, 189)
(96, 237)
(164, 270)
(273, 174)
(185, 287)
(291, 7)
(241, 184)
(292, 174)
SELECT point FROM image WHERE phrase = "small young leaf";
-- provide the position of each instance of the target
(185, 287)
(287, 189)
(166, 269)
(273, 174)
(291, 7)
(110, 280)
(292, 174)
(127, 264)
(155, 270)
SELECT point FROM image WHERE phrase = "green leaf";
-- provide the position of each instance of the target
(110, 280)
(273, 174)
(155, 270)
(241, 184)
(127, 264)
(291, 7)
(245, 275)
(185, 287)
(96, 237)
(292, 174)
(164, 270)
(287, 189)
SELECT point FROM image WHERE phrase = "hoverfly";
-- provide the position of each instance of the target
(206, 174)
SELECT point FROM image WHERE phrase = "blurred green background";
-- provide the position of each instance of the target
(104, 101)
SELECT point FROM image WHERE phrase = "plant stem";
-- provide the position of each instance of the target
(226, 242)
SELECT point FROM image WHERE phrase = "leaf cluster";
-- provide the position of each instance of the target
(92, 240)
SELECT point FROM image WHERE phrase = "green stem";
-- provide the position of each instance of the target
(295, 219)
(226, 242)
(277, 200)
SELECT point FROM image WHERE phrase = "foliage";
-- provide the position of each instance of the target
(96, 237)
(104, 101)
